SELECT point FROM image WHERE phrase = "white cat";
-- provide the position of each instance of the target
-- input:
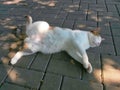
(46, 39)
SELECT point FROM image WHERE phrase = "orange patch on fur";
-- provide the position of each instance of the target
(96, 31)
(51, 28)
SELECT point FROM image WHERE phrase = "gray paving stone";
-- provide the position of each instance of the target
(108, 14)
(116, 32)
(40, 62)
(104, 29)
(76, 16)
(111, 70)
(76, 84)
(95, 76)
(7, 86)
(71, 8)
(83, 7)
(117, 44)
(4, 70)
(25, 77)
(92, 16)
(61, 64)
(96, 7)
(68, 24)
(51, 82)
(111, 8)
(87, 1)
(107, 49)
(108, 39)
(110, 87)
(85, 25)
(118, 7)
(115, 25)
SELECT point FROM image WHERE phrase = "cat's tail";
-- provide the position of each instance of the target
(28, 19)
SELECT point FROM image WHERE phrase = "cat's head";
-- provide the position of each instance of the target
(94, 38)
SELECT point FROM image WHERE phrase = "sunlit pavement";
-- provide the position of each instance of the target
(59, 71)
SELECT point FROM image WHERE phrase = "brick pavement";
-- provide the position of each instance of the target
(59, 71)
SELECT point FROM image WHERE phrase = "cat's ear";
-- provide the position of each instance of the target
(96, 31)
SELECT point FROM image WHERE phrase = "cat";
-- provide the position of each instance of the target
(41, 37)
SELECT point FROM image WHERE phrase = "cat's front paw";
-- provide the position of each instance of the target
(89, 69)
(13, 61)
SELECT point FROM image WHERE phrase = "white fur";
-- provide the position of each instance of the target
(59, 39)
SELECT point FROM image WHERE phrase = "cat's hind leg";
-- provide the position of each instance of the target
(83, 59)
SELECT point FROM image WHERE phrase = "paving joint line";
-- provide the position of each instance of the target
(79, 5)
(33, 59)
(117, 10)
(113, 39)
(61, 84)
(106, 5)
(102, 73)
(3, 80)
(41, 82)
(20, 85)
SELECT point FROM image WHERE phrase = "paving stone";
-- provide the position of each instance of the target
(108, 39)
(68, 24)
(61, 64)
(76, 84)
(117, 44)
(96, 7)
(7, 86)
(4, 70)
(4, 51)
(116, 32)
(85, 25)
(83, 6)
(62, 15)
(115, 25)
(25, 77)
(111, 70)
(100, 2)
(71, 8)
(76, 16)
(40, 62)
(109, 18)
(87, 1)
(104, 29)
(118, 7)
(111, 8)
(92, 16)
(109, 87)
(58, 23)
(51, 82)
(25, 61)
(108, 14)
(107, 49)
(95, 76)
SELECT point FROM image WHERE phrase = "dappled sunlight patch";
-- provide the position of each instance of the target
(5, 60)
(5, 21)
(81, 25)
(11, 27)
(111, 72)
(96, 74)
(51, 3)
(11, 42)
(11, 54)
(14, 76)
(8, 2)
